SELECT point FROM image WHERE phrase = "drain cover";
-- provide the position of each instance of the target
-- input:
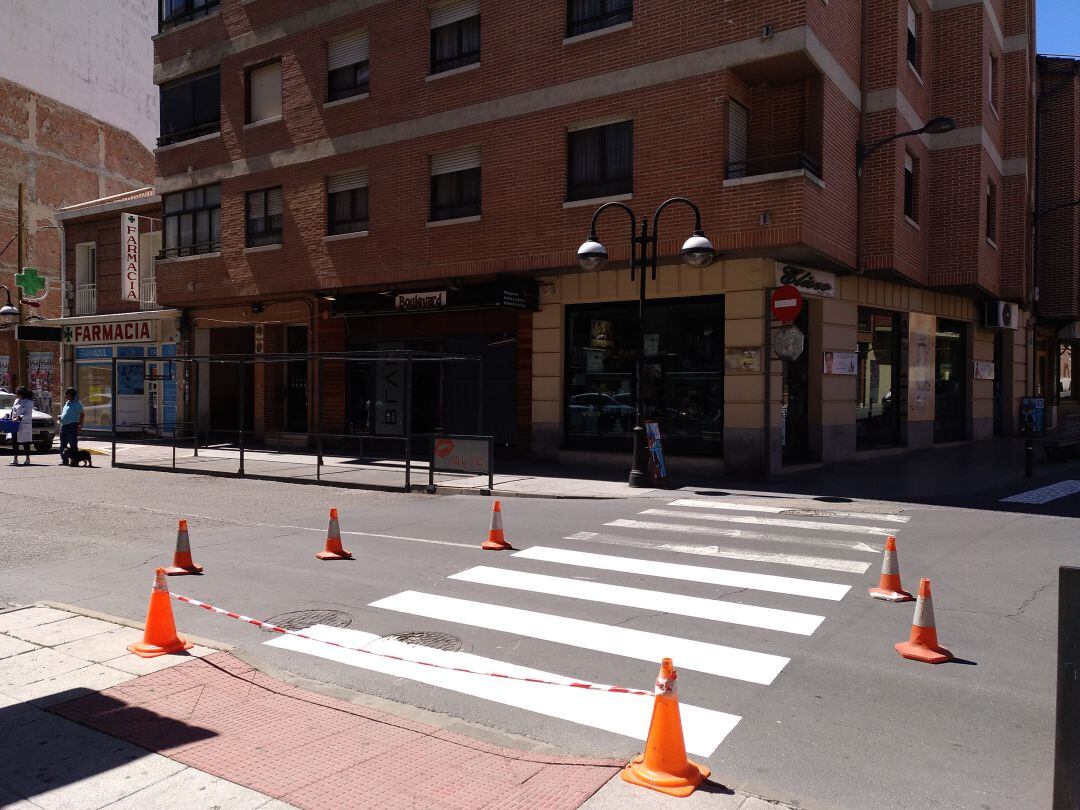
(428, 638)
(302, 619)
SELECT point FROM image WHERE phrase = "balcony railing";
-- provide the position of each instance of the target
(148, 293)
(175, 12)
(86, 299)
(181, 135)
(771, 164)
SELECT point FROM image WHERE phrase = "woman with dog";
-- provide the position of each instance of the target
(23, 413)
(71, 419)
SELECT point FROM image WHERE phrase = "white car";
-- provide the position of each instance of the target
(44, 425)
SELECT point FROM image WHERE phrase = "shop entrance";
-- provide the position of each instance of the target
(796, 400)
(877, 413)
(226, 381)
(951, 388)
(296, 381)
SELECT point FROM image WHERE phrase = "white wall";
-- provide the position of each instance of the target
(93, 55)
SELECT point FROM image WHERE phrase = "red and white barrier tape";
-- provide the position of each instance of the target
(596, 687)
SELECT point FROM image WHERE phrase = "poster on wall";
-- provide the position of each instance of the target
(922, 330)
(388, 408)
(984, 369)
(168, 390)
(601, 334)
(841, 363)
(1032, 414)
(657, 464)
(742, 360)
(5, 365)
(130, 389)
(41, 373)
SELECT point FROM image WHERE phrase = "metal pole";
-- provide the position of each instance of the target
(20, 347)
(479, 397)
(243, 410)
(1029, 458)
(112, 408)
(638, 476)
(1067, 743)
(195, 403)
(319, 367)
(766, 439)
(408, 424)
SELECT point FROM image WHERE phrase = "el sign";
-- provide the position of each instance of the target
(129, 240)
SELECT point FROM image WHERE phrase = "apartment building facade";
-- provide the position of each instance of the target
(349, 176)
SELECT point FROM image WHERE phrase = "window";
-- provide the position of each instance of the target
(174, 12)
(347, 67)
(600, 161)
(264, 92)
(193, 222)
(455, 184)
(190, 107)
(913, 49)
(86, 279)
(347, 202)
(264, 209)
(455, 35)
(738, 138)
(583, 16)
(991, 212)
(878, 398)
(993, 80)
(911, 174)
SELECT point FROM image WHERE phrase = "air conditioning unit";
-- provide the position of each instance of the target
(1001, 315)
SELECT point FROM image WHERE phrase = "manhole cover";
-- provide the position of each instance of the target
(302, 619)
(428, 638)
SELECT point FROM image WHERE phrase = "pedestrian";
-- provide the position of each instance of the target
(23, 413)
(71, 420)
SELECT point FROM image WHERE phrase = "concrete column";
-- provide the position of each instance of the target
(547, 380)
(833, 325)
(982, 391)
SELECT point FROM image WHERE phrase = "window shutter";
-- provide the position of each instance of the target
(912, 21)
(738, 132)
(348, 51)
(273, 202)
(256, 208)
(454, 12)
(456, 161)
(909, 164)
(265, 92)
(347, 181)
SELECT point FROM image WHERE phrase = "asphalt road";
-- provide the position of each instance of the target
(845, 722)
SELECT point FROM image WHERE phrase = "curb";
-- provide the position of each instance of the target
(108, 617)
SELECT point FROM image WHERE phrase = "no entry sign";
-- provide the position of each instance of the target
(786, 303)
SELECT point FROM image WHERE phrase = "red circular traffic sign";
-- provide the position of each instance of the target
(786, 303)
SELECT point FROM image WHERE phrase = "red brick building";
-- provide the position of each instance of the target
(61, 156)
(351, 176)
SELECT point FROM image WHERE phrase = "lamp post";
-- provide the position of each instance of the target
(697, 251)
(9, 315)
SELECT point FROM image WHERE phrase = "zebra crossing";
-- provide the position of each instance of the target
(567, 580)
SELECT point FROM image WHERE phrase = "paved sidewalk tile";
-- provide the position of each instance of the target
(311, 750)
(36, 665)
(135, 665)
(72, 629)
(191, 788)
(12, 801)
(103, 647)
(47, 691)
(30, 617)
(9, 645)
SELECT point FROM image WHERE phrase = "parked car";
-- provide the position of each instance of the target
(44, 425)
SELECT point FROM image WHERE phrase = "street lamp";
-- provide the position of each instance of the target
(697, 251)
(8, 313)
(938, 125)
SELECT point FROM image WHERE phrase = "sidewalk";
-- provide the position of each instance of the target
(86, 725)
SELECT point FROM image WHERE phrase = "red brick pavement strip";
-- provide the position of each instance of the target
(222, 716)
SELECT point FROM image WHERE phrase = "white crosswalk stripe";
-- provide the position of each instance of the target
(786, 621)
(747, 534)
(781, 510)
(713, 659)
(628, 715)
(752, 521)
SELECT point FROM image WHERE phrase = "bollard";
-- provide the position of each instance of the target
(1067, 743)
(1029, 458)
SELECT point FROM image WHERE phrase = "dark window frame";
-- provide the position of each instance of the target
(247, 89)
(911, 188)
(196, 129)
(461, 206)
(335, 226)
(991, 223)
(188, 10)
(461, 58)
(194, 248)
(359, 86)
(914, 40)
(610, 184)
(614, 12)
(269, 232)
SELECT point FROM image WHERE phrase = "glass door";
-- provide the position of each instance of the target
(877, 407)
(950, 387)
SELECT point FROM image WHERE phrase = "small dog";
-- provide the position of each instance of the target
(79, 457)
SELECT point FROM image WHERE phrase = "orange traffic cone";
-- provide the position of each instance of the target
(159, 637)
(496, 540)
(664, 766)
(181, 561)
(923, 645)
(333, 549)
(889, 588)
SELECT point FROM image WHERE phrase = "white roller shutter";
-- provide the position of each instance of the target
(453, 12)
(456, 161)
(347, 181)
(265, 92)
(738, 132)
(348, 51)
(273, 202)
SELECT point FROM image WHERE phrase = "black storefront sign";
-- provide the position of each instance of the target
(48, 334)
(505, 292)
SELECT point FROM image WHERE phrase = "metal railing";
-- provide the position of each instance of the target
(771, 164)
(148, 293)
(86, 299)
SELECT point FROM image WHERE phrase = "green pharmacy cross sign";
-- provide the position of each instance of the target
(30, 282)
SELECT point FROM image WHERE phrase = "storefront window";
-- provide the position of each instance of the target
(950, 388)
(877, 413)
(94, 383)
(1065, 371)
(683, 380)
